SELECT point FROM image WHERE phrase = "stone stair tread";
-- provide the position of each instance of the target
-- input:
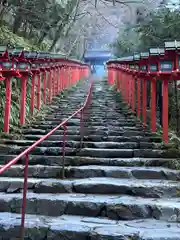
(104, 185)
(97, 138)
(96, 198)
(143, 172)
(101, 132)
(79, 160)
(93, 152)
(86, 144)
(81, 228)
(117, 207)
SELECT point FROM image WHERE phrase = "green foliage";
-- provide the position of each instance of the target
(127, 42)
(12, 40)
(39, 19)
(159, 26)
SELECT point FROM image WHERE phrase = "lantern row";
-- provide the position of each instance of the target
(48, 71)
(165, 60)
(14, 60)
(132, 73)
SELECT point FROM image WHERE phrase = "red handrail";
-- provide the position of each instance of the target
(35, 144)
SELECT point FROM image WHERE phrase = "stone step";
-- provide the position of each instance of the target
(84, 161)
(112, 207)
(127, 153)
(92, 152)
(86, 144)
(109, 118)
(90, 128)
(126, 133)
(83, 228)
(43, 171)
(92, 123)
(96, 138)
(143, 188)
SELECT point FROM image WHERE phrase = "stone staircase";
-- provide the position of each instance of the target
(117, 186)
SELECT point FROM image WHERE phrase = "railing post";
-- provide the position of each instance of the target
(23, 99)
(7, 110)
(64, 151)
(165, 109)
(24, 196)
(81, 129)
(153, 105)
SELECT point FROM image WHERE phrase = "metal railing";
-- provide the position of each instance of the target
(80, 113)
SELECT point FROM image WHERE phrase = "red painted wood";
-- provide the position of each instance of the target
(7, 110)
(138, 98)
(133, 94)
(44, 86)
(165, 110)
(50, 87)
(144, 102)
(32, 94)
(153, 105)
(39, 91)
(23, 99)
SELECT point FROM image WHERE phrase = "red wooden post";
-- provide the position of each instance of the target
(32, 94)
(45, 86)
(56, 81)
(122, 86)
(133, 94)
(73, 75)
(62, 77)
(119, 77)
(50, 86)
(7, 110)
(153, 105)
(129, 90)
(144, 101)
(127, 86)
(52, 82)
(138, 98)
(23, 99)
(165, 109)
(39, 92)
(77, 70)
(69, 76)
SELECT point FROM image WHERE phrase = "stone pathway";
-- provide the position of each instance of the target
(116, 188)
